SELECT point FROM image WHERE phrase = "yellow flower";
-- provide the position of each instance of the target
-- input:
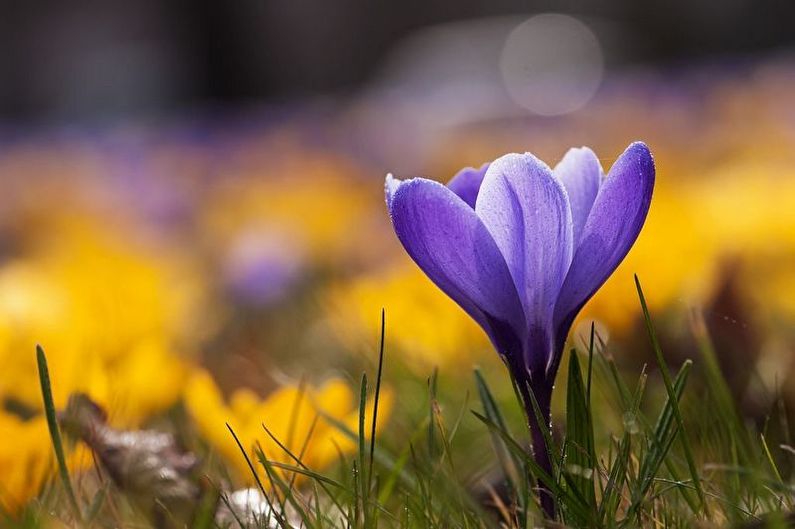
(697, 224)
(427, 326)
(36, 309)
(310, 199)
(108, 320)
(124, 290)
(27, 459)
(674, 257)
(295, 415)
(109, 315)
(144, 382)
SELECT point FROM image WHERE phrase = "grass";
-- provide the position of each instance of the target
(665, 448)
(55, 434)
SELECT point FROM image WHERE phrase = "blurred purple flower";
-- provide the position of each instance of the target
(261, 267)
(521, 247)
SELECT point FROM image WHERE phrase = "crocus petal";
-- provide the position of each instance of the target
(390, 186)
(466, 183)
(581, 173)
(617, 215)
(453, 247)
(526, 210)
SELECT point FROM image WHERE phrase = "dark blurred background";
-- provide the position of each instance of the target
(115, 58)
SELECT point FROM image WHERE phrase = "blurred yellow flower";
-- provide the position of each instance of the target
(144, 382)
(674, 257)
(27, 460)
(109, 316)
(295, 415)
(427, 326)
(696, 224)
(310, 200)
(128, 289)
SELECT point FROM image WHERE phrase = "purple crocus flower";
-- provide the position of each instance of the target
(522, 247)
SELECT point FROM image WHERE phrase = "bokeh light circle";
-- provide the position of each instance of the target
(552, 64)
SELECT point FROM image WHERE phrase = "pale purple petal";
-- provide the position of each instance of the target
(617, 215)
(453, 247)
(466, 183)
(526, 210)
(581, 174)
(390, 186)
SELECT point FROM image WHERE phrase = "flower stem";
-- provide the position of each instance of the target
(540, 424)
(541, 454)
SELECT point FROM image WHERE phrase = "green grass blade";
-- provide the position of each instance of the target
(512, 467)
(619, 473)
(257, 479)
(204, 516)
(674, 399)
(384, 459)
(232, 510)
(364, 480)
(719, 388)
(591, 345)
(433, 449)
(770, 459)
(615, 481)
(55, 433)
(248, 459)
(508, 463)
(661, 438)
(305, 470)
(287, 492)
(573, 502)
(96, 504)
(580, 454)
(399, 466)
(377, 391)
(490, 407)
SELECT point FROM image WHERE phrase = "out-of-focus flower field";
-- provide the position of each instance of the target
(233, 268)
